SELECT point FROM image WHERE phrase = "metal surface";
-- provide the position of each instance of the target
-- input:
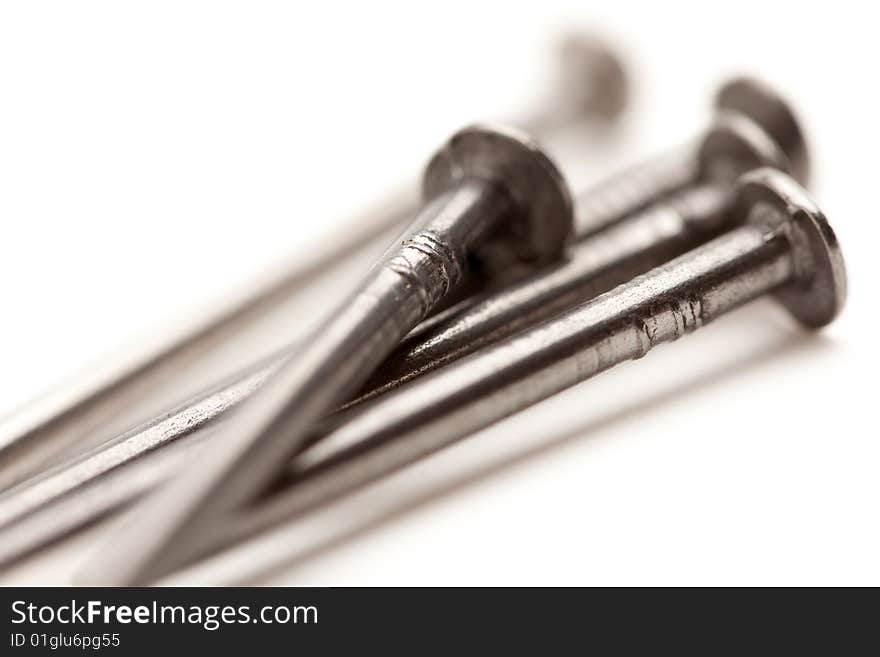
(592, 87)
(486, 186)
(733, 145)
(765, 107)
(754, 127)
(75, 493)
(51, 505)
(785, 248)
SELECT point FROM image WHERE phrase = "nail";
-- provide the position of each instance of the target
(73, 415)
(484, 186)
(44, 509)
(596, 263)
(785, 247)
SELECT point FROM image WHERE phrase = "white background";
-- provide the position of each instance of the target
(154, 154)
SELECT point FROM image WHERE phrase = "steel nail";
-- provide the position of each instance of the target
(486, 186)
(785, 247)
(595, 263)
(70, 417)
(44, 509)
